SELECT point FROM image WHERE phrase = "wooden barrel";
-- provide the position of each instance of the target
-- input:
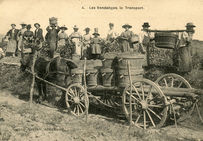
(107, 75)
(165, 40)
(109, 60)
(91, 77)
(135, 61)
(77, 75)
(123, 77)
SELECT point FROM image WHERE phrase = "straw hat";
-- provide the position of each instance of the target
(190, 24)
(127, 25)
(63, 27)
(23, 24)
(13, 24)
(146, 24)
(36, 24)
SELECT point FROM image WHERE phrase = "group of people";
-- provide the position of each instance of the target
(86, 46)
(57, 38)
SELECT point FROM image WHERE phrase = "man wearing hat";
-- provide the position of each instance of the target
(126, 37)
(62, 38)
(76, 39)
(27, 50)
(20, 36)
(86, 43)
(12, 37)
(96, 45)
(144, 38)
(185, 49)
(38, 35)
(111, 35)
(52, 38)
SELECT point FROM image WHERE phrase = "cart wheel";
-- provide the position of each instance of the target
(149, 104)
(173, 80)
(76, 100)
(183, 105)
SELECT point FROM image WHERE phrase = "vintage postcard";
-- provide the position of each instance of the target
(101, 70)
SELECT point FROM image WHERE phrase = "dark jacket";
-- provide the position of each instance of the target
(38, 35)
(9, 33)
(52, 34)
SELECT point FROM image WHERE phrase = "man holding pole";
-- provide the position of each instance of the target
(185, 49)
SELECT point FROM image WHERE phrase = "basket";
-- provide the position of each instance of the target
(165, 40)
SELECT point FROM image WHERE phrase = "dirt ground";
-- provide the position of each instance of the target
(20, 121)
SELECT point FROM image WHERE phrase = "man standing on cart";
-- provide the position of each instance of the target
(185, 49)
(144, 37)
(52, 38)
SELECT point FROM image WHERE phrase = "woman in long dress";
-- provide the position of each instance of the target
(62, 37)
(125, 37)
(12, 37)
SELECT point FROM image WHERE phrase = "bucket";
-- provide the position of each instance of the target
(77, 74)
(53, 21)
(165, 40)
(107, 75)
(123, 77)
(91, 77)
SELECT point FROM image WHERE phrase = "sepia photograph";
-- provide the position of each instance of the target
(108, 70)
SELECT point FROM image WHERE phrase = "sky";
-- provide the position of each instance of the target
(161, 14)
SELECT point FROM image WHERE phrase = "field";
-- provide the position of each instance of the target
(21, 121)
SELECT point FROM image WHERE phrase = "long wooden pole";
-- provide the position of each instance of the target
(129, 73)
(149, 30)
(85, 86)
(33, 77)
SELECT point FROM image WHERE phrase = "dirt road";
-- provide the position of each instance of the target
(21, 122)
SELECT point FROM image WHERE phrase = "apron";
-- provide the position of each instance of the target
(12, 44)
(77, 43)
(185, 61)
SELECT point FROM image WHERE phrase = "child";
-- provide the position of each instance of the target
(96, 45)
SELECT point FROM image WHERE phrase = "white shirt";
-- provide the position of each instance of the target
(111, 34)
(144, 34)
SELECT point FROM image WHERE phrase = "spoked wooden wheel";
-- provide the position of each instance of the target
(149, 105)
(173, 80)
(183, 105)
(76, 100)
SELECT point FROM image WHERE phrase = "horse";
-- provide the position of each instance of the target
(56, 70)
